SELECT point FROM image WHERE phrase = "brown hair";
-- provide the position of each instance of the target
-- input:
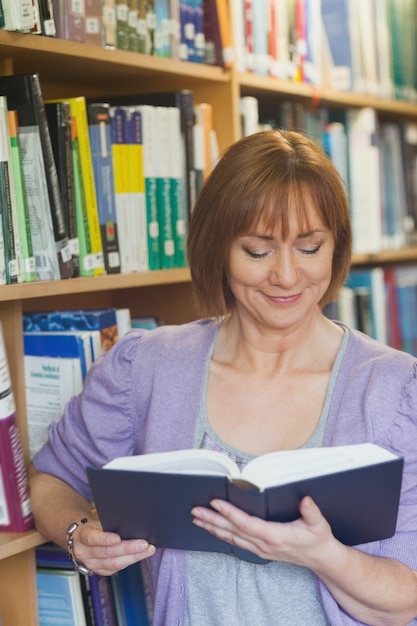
(263, 177)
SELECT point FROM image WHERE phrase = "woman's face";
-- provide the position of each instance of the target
(278, 283)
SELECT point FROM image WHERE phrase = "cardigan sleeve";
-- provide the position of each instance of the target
(98, 424)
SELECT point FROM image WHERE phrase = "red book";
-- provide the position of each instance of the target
(15, 509)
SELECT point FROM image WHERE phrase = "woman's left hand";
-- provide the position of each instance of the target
(300, 542)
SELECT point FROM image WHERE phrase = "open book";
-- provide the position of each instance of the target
(357, 488)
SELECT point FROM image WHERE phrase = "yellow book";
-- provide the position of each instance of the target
(79, 111)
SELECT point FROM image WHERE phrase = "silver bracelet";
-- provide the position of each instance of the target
(78, 566)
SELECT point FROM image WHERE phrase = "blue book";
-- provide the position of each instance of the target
(101, 153)
(336, 33)
(371, 282)
(162, 28)
(132, 596)
(60, 597)
(103, 320)
(70, 346)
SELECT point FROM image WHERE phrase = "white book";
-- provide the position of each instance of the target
(50, 383)
(238, 33)
(249, 113)
(365, 180)
(18, 15)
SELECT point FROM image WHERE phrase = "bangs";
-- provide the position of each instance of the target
(273, 210)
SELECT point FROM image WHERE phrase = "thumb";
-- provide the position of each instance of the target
(309, 511)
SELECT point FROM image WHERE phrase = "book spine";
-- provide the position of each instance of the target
(137, 190)
(59, 122)
(109, 24)
(93, 22)
(29, 264)
(14, 268)
(177, 188)
(79, 110)
(149, 160)
(86, 263)
(122, 11)
(162, 29)
(99, 125)
(15, 509)
(118, 125)
(163, 183)
(132, 26)
(55, 201)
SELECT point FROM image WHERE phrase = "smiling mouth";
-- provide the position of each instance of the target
(284, 299)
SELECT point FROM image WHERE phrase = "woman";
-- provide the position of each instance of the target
(269, 243)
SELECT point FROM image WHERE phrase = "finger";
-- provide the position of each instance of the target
(310, 512)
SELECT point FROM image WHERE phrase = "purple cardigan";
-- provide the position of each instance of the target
(143, 396)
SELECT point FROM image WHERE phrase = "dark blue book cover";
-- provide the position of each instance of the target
(358, 497)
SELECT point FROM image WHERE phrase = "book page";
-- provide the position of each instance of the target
(278, 468)
(179, 462)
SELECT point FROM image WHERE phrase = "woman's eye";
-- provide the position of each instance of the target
(255, 255)
(311, 250)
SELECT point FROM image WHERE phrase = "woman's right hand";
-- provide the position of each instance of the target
(105, 553)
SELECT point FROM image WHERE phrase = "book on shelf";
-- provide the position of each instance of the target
(130, 597)
(405, 278)
(103, 320)
(48, 228)
(99, 125)
(369, 287)
(337, 46)
(148, 115)
(184, 100)
(402, 25)
(95, 590)
(15, 507)
(18, 15)
(69, 19)
(12, 244)
(49, 236)
(86, 257)
(29, 263)
(162, 46)
(260, 25)
(163, 188)
(59, 119)
(225, 28)
(136, 189)
(60, 598)
(121, 165)
(395, 221)
(93, 22)
(78, 106)
(177, 187)
(2, 20)
(357, 488)
(122, 37)
(365, 179)
(46, 18)
(55, 366)
(109, 24)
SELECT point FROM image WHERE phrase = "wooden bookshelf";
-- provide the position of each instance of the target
(68, 69)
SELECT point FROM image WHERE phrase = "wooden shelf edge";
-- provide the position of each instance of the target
(12, 544)
(41, 289)
(252, 83)
(15, 45)
(386, 257)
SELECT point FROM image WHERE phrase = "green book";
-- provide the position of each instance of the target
(163, 188)
(86, 259)
(29, 263)
(149, 165)
(178, 187)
